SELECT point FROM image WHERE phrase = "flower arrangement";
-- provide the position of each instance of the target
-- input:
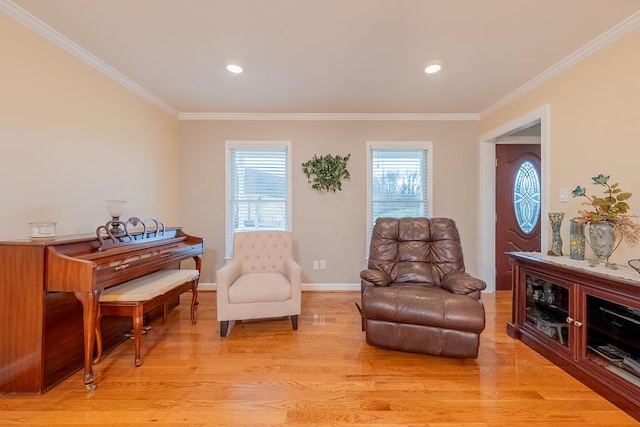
(613, 208)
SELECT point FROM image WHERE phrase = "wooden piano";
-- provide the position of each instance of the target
(49, 291)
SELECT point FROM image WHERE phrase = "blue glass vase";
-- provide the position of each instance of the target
(576, 240)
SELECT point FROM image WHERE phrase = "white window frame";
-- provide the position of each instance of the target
(398, 145)
(229, 145)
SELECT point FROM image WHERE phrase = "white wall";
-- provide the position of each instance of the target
(70, 138)
(594, 128)
(330, 227)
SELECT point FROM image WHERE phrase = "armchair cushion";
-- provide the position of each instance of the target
(462, 283)
(417, 305)
(260, 287)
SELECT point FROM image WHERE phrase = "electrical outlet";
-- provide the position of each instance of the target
(323, 264)
(315, 264)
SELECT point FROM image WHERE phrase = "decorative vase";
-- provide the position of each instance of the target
(576, 240)
(556, 240)
(602, 241)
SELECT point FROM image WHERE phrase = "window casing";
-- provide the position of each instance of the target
(258, 187)
(399, 180)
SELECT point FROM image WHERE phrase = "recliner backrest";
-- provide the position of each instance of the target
(418, 250)
(262, 251)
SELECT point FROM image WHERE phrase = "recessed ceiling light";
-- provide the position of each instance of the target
(234, 67)
(433, 67)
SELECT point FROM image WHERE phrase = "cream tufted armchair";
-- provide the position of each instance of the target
(261, 281)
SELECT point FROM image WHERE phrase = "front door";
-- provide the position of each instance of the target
(517, 205)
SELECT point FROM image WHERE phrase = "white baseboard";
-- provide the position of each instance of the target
(305, 286)
(331, 286)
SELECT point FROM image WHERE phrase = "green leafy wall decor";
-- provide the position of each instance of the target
(325, 173)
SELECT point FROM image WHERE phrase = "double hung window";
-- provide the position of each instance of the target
(258, 187)
(399, 180)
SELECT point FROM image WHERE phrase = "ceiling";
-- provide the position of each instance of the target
(329, 56)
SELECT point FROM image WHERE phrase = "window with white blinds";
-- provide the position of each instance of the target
(399, 180)
(258, 188)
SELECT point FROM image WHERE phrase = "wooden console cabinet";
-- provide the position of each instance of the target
(584, 319)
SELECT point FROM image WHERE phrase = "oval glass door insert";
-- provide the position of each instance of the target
(526, 197)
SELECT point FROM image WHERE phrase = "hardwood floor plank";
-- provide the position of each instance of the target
(265, 374)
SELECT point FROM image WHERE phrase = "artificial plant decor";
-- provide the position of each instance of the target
(608, 220)
(612, 208)
(325, 173)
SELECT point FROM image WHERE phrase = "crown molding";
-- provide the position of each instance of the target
(28, 20)
(329, 116)
(621, 29)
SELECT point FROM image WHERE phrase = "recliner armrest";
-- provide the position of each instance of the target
(462, 283)
(377, 277)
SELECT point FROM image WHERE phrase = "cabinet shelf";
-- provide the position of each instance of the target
(561, 312)
(585, 320)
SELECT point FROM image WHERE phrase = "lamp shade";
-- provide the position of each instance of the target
(116, 207)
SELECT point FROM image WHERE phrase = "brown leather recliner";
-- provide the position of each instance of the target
(416, 295)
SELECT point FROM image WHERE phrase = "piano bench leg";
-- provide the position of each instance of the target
(138, 319)
(165, 309)
(194, 300)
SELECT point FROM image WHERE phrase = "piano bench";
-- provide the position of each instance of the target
(136, 297)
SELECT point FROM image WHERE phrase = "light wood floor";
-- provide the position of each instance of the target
(265, 374)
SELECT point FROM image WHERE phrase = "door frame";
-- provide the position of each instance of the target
(488, 188)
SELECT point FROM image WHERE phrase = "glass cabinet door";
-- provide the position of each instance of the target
(548, 308)
(613, 337)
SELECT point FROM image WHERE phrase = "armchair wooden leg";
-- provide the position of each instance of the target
(224, 327)
(294, 322)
